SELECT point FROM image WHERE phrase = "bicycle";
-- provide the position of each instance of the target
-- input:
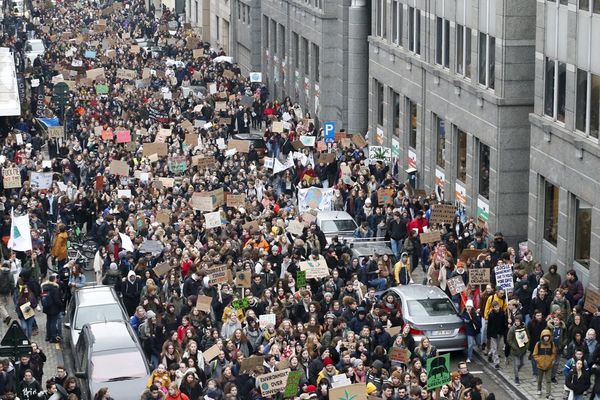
(80, 248)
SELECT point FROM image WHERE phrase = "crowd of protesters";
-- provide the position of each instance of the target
(332, 326)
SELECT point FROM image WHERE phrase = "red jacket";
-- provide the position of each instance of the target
(179, 396)
(418, 224)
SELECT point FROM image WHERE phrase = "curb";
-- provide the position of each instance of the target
(508, 384)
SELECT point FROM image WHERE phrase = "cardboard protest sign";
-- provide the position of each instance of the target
(203, 162)
(430, 237)
(177, 164)
(211, 353)
(274, 382)
(228, 74)
(438, 371)
(456, 285)
(27, 310)
(504, 277)
(123, 73)
(94, 73)
(385, 196)
(118, 167)
(248, 364)
(212, 220)
(400, 355)
(219, 275)
(56, 132)
(243, 279)
(164, 217)
(198, 53)
(357, 391)
(11, 178)
(277, 127)
(295, 227)
(315, 269)
(592, 300)
(359, 141)
(479, 276)
(167, 182)
(442, 214)
(41, 180)
(242, 146)
(201, 203)
(236, 200)
(160, 149)
(162, 268)
(134, 49)
(470, 253)
(203, 303)
(123, 136)
(191, 139)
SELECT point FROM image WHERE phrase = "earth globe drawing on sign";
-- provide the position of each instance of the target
(313, 198)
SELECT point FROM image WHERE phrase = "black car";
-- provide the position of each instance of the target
(109, 354)
(255, 140)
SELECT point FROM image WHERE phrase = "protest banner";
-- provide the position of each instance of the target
(218, 274)
(56, 132)
(236, 200)
(164, 217)
(118, 167)
(217, 196)
(470, 253)
(11, 178)
(438, 371)
(456, 285)
(357, 391)
(479, 276)
(160, 149)
(379, 153)
(41, 180)
(504, 277)
(191, 139)
(300, 279)
(442, 214)
(315, 269)
(94, 73)
(385, 196)
(162, 269)
(241, 304)
(123, 73)
(430, 237)
(203, 303)
(242, 146)
(592, 300)
(273, 383)
(400, 355)
(266, 319)
(178, 164)
(198, 53)
(123, 136)
(315, 198)
(295, 227)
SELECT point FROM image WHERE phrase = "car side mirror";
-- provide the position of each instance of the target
(80, 375)
(67, 325)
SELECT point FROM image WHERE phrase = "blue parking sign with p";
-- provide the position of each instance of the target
(329, 130)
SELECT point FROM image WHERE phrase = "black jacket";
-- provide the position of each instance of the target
(578, 384)
(54, 303)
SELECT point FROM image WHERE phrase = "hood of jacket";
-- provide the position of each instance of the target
(545, 332)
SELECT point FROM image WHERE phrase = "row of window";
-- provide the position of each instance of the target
(585, 5)
(487, 42)
(411, 111)
(306, 56)
(243, 11)
(587, 97)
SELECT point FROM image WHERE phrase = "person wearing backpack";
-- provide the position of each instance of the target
(7, 287)
(51, 301)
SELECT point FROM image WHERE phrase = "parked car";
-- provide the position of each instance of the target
(336, 223)
(109, 354)
(255, 140)
(92, 304)
(429, 312)
(33, 48)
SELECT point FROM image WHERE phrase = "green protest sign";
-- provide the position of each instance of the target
(438, 371)
(293, 382)
(240, 304)
(300, 279)
(101, 89)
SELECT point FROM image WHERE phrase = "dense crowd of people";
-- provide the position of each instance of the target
(187, 95)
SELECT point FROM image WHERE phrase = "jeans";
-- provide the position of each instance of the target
(494, 344)
(27, 326)
(52, 326)
(556, 366)
(378, 284)
(396, 247)
(471, 342)
(544, 376)
(518, 361)
(483, 330)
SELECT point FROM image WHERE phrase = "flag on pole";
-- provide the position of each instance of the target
(20, 233)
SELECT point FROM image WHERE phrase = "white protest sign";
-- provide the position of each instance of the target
(504, 277)
(273, 383)
(41, 180)
(266, 320)
(213, 219)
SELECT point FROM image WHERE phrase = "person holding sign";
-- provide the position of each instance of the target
(517, 339)
(472, 321)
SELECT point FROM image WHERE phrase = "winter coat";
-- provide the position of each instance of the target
(559, 334)
(7, 282)
(512, 340)
(54, 299)
(497, 324)
(544, 352)
(495, 298)
(578, 384)
(472, 324)
(29, 390)
(534, 330)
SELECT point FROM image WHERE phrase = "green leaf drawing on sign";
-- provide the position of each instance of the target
(347, 396)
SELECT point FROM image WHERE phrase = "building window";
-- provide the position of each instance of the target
(296, 49)
(412, 133)
(414, 30)
(587, 115)
(442, 48)
(487, 60)
(463, 51)
(584, 5)
(282, 40)
(551, 212)
(555, 89)
(305, 54)
(440, 127)
(484, 170)
(380, 18)
(379, 103)
(583, 232)
(397, 16)
(274, 38)
(316, 60)
(218, 28)
(461, 164)
(266, 32)
(396, 114)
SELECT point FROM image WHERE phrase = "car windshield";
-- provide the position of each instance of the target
(99, 313)
(430, 307)
(36, 46)
(338, 225)
(112, 366)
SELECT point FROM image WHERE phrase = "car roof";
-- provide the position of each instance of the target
(111, 335)
(247, 136)
(417, 291)
(363, 249)
(330, 215)
(95, 295)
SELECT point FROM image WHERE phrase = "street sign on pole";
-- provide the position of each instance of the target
(61, 94)
(329, 131)
(15, 342)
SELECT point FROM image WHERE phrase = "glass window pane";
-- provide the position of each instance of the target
(413, 124)
(395, 22)
(551, 213)
(595, 106)
(396, 114)
(482, 57)
(411, 29)
(583, 232)
(438, 41)
(564, 2)
(492, 63)
(379, 103)
(597, 7)
(446, 43)
(584, 5)
(561, 88)
(400, 23)
(484, 170)
(418, 32)
(468, 55)
(461, 165)
(459, 50)
(549, 88)
(441, 142)
(581, 101)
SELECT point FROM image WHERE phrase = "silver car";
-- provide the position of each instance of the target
(429, 312)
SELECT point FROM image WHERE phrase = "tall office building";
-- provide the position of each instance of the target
(451, 87)
(314, 51)
(564, 182)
